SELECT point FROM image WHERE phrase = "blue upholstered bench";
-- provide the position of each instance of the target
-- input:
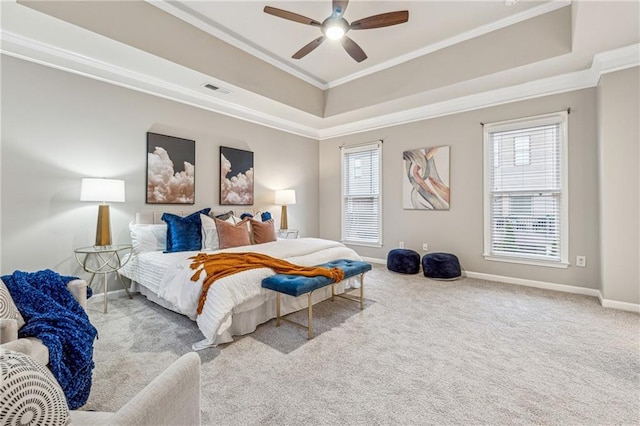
(297, 285)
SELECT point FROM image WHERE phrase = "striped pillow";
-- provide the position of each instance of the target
(8, 309)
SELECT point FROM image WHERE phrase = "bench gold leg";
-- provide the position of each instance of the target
(310, 324)
(361, 291)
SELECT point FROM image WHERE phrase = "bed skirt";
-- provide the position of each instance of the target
(247, 316)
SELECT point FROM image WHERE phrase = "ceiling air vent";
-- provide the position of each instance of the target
(217, 89)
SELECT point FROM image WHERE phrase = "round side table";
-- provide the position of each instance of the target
(104, 260)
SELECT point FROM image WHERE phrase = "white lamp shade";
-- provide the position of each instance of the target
(285, 197)
(105, 190)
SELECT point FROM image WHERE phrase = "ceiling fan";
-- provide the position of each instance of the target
(335, 27)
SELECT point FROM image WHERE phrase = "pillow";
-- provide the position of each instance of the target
(210, 239)
(147, 237)
(8, 309)
(184, 233)
(263, 232)
(224, 216)
(232, 235)
(29, 392)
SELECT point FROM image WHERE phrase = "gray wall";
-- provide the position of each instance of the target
(58, 127)
(619, 153)
(460, 230)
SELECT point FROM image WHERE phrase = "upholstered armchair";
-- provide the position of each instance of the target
(31, 346)
(172, 398)
(31, 395)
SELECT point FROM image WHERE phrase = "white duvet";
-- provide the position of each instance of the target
(168, 276)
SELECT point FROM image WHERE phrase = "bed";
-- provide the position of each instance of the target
(235, 305)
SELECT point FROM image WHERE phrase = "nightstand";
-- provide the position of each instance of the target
(287, 233)
(104, 260)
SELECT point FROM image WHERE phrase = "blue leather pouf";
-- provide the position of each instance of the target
(405, 261)
(444, 266)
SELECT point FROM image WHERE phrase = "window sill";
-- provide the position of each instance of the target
(355, 243)
(559, 265)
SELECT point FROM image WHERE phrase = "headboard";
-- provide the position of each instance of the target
(154, 217)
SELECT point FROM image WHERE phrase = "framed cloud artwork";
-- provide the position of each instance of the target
(170, 170)
(236, 177)
(425, 180)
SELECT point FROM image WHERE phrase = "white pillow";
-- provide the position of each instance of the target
(148, 237)
(210, 239)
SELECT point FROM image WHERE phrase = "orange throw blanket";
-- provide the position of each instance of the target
(220, 265)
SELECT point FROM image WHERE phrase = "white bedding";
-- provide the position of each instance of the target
(168, 276)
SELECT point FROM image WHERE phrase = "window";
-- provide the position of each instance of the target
(361, 195)
(357, 168)
(522, 152)
(525, 197)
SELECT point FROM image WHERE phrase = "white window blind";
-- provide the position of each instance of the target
(361, 194)
(525, 189)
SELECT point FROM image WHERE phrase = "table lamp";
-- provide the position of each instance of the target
(103, 190)
(283, 198)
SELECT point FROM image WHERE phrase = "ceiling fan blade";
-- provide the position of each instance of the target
(290, 16)
(340, 5)
(382, 20)
(353, 49)
(308, 48)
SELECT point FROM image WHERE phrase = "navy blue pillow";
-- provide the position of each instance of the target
(265, 216)
(183, 233)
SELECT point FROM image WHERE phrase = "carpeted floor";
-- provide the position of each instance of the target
(421, 352)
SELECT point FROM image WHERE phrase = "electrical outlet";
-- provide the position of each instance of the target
(425, 247)
(401, 244)
(581, 261)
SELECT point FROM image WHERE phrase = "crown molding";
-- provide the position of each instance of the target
(304, 124)
(616, 60)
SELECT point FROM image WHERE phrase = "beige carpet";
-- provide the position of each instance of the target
(421, 352)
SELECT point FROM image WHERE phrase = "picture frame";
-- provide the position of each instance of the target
(236, 177)
(425, 180)
(170, 170)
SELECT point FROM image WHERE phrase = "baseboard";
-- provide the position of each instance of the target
(614, 304)
(536, 284)
(374, 260)
(99, 297)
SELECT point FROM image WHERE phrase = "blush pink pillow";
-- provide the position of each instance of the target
(263, 232)
(232, 235)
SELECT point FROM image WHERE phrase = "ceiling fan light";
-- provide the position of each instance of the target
(335, 32)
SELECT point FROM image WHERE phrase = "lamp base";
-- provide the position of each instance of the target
(283, 218)
(103, 231)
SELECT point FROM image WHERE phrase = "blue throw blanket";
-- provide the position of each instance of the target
(55, 317)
